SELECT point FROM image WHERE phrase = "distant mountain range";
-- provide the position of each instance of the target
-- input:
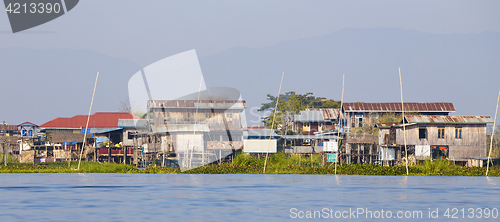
(40, 85)
(459, 68)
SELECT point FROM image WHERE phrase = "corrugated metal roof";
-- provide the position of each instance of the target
(8, 127)
(97, 120)
(318, 115)
(330, 113)
(396, 107)
(202, 104)
(449, 119)
(181, 128)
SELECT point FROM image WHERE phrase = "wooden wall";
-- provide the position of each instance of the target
(465, 152)
(472, 135)
(215, 120)
(472, 144)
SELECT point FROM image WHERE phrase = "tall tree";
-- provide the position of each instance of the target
(291, 104)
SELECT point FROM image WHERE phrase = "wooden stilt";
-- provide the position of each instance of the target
(358, 154)
(124, 154)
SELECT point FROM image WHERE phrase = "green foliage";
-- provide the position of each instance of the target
(96, 167)
(300, 102)
(85, 167)
(10, 159)
(142, 115)
(390, 118)
(281, 163)
(290, 104)
(246, 159)
(278, 163)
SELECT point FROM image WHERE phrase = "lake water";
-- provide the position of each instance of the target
(136, 197)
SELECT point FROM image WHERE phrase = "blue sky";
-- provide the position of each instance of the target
(136, 34)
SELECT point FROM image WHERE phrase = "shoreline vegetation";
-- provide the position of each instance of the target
(278, 163)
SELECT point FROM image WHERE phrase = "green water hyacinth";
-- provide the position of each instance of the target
(278, 163)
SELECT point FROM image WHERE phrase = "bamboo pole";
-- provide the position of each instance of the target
(404, 128)
(492, 134)
(338, 130)
(4, 146)
(88, 119)
(194, 128)
(272, 125)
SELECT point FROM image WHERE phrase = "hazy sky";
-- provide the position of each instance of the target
(147, 31)
(144, 32)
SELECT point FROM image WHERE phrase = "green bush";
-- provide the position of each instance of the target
(278, 163)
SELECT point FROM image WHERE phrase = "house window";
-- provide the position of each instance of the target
(359, 120)
(458, 132)
(422, 132)
(189, 114)
(440, 132)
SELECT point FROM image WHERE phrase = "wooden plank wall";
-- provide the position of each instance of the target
(472, 135)
(65, 137)
(217, 120)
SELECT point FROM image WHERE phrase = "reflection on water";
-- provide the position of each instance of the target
(124, 197)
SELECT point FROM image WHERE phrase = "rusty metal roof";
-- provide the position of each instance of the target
(202, 104)
(330, 113)
(396, 107)
(449, 119)
(8, 127)
(318, 115)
